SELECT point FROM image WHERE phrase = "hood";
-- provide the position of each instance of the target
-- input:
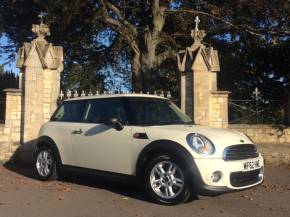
(221, 138)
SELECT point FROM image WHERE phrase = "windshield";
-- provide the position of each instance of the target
(151, 111)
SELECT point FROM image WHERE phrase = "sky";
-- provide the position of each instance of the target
(3, 57)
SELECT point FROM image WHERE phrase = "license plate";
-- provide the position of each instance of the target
(251, 165)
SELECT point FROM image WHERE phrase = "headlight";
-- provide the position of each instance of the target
(200, 144)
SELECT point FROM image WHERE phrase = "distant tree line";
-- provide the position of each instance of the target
(8, 79)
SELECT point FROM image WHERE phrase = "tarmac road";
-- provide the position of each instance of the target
(79, 196)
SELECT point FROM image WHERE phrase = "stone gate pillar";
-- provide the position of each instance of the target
(40, 65)
(200, 99)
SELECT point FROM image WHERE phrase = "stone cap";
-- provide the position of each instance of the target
(13, 91)
(219, 92)
(198, 58)
(39, 50)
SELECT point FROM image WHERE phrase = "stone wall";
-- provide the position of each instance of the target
(218, 109)
(10, 132)
(265, 134)
(273, 141)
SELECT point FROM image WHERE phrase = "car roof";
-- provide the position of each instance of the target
(103, 96)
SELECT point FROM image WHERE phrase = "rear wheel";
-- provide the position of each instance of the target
(166, 181)
(45, 164)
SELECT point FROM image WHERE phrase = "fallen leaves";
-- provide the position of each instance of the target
(275, 187)
(56, 186)
(61, 198)
(247, 197)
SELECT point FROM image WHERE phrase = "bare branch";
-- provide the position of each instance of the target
(158, 13)
(135, 47)
(115, 24)
(246, 28)
(119, 24)
(115, 10)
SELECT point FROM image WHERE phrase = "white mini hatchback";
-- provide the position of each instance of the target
(147, 137)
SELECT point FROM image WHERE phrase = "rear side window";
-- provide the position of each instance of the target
(71, 111)
(101, 109)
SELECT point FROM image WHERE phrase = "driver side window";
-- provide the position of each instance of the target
(102, 109)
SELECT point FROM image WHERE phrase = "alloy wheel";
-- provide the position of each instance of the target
(44, 163)
(166, 179)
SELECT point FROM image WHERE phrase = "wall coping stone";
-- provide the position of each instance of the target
(260, 126)
(13, 91)
(220, 92)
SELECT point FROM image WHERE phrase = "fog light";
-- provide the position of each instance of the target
(216, 176)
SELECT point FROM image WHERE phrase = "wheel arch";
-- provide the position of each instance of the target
(47, 141)
(162, 147)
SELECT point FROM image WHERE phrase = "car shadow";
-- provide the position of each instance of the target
(125, 186)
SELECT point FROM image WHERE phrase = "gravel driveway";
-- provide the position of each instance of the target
(23, 196)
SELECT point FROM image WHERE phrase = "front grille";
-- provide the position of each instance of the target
(240, 152)
(240, 179)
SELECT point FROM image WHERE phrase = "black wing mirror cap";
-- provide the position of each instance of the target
(115, 123)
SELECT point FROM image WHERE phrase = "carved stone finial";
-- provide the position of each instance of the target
(197, 21)
(197, 34)
(41, 30)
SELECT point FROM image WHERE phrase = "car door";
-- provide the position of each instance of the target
(63, 123)
(101, 147)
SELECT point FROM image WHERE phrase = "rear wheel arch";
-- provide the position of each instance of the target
(160, 147)
(47, 141)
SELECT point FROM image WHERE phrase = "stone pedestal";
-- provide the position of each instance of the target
(41, 64)
(200, 99)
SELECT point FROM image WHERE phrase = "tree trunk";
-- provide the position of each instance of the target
(145, 62)
(137, 81)
(143, 65)
(148, 62)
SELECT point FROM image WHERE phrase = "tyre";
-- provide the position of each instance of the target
(165, 180)
(45, 164)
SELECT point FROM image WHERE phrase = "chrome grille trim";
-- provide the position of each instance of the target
(240, 152)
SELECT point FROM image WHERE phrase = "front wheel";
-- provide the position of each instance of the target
(45, 164)
(165, 180)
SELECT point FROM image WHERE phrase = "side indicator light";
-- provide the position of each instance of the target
(140, 136)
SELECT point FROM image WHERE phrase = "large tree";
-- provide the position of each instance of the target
(252, 38)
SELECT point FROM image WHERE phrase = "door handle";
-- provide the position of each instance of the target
(77, 131)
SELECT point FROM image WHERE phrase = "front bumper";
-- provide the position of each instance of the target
(234, 178)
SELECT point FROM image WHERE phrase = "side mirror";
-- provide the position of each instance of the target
(115, 123)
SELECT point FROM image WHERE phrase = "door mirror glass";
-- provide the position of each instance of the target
(115, 123)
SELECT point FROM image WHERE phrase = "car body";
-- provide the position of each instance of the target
(129, 134)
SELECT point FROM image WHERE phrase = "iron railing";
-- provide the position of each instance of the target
(255, 112)
(74, 93)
